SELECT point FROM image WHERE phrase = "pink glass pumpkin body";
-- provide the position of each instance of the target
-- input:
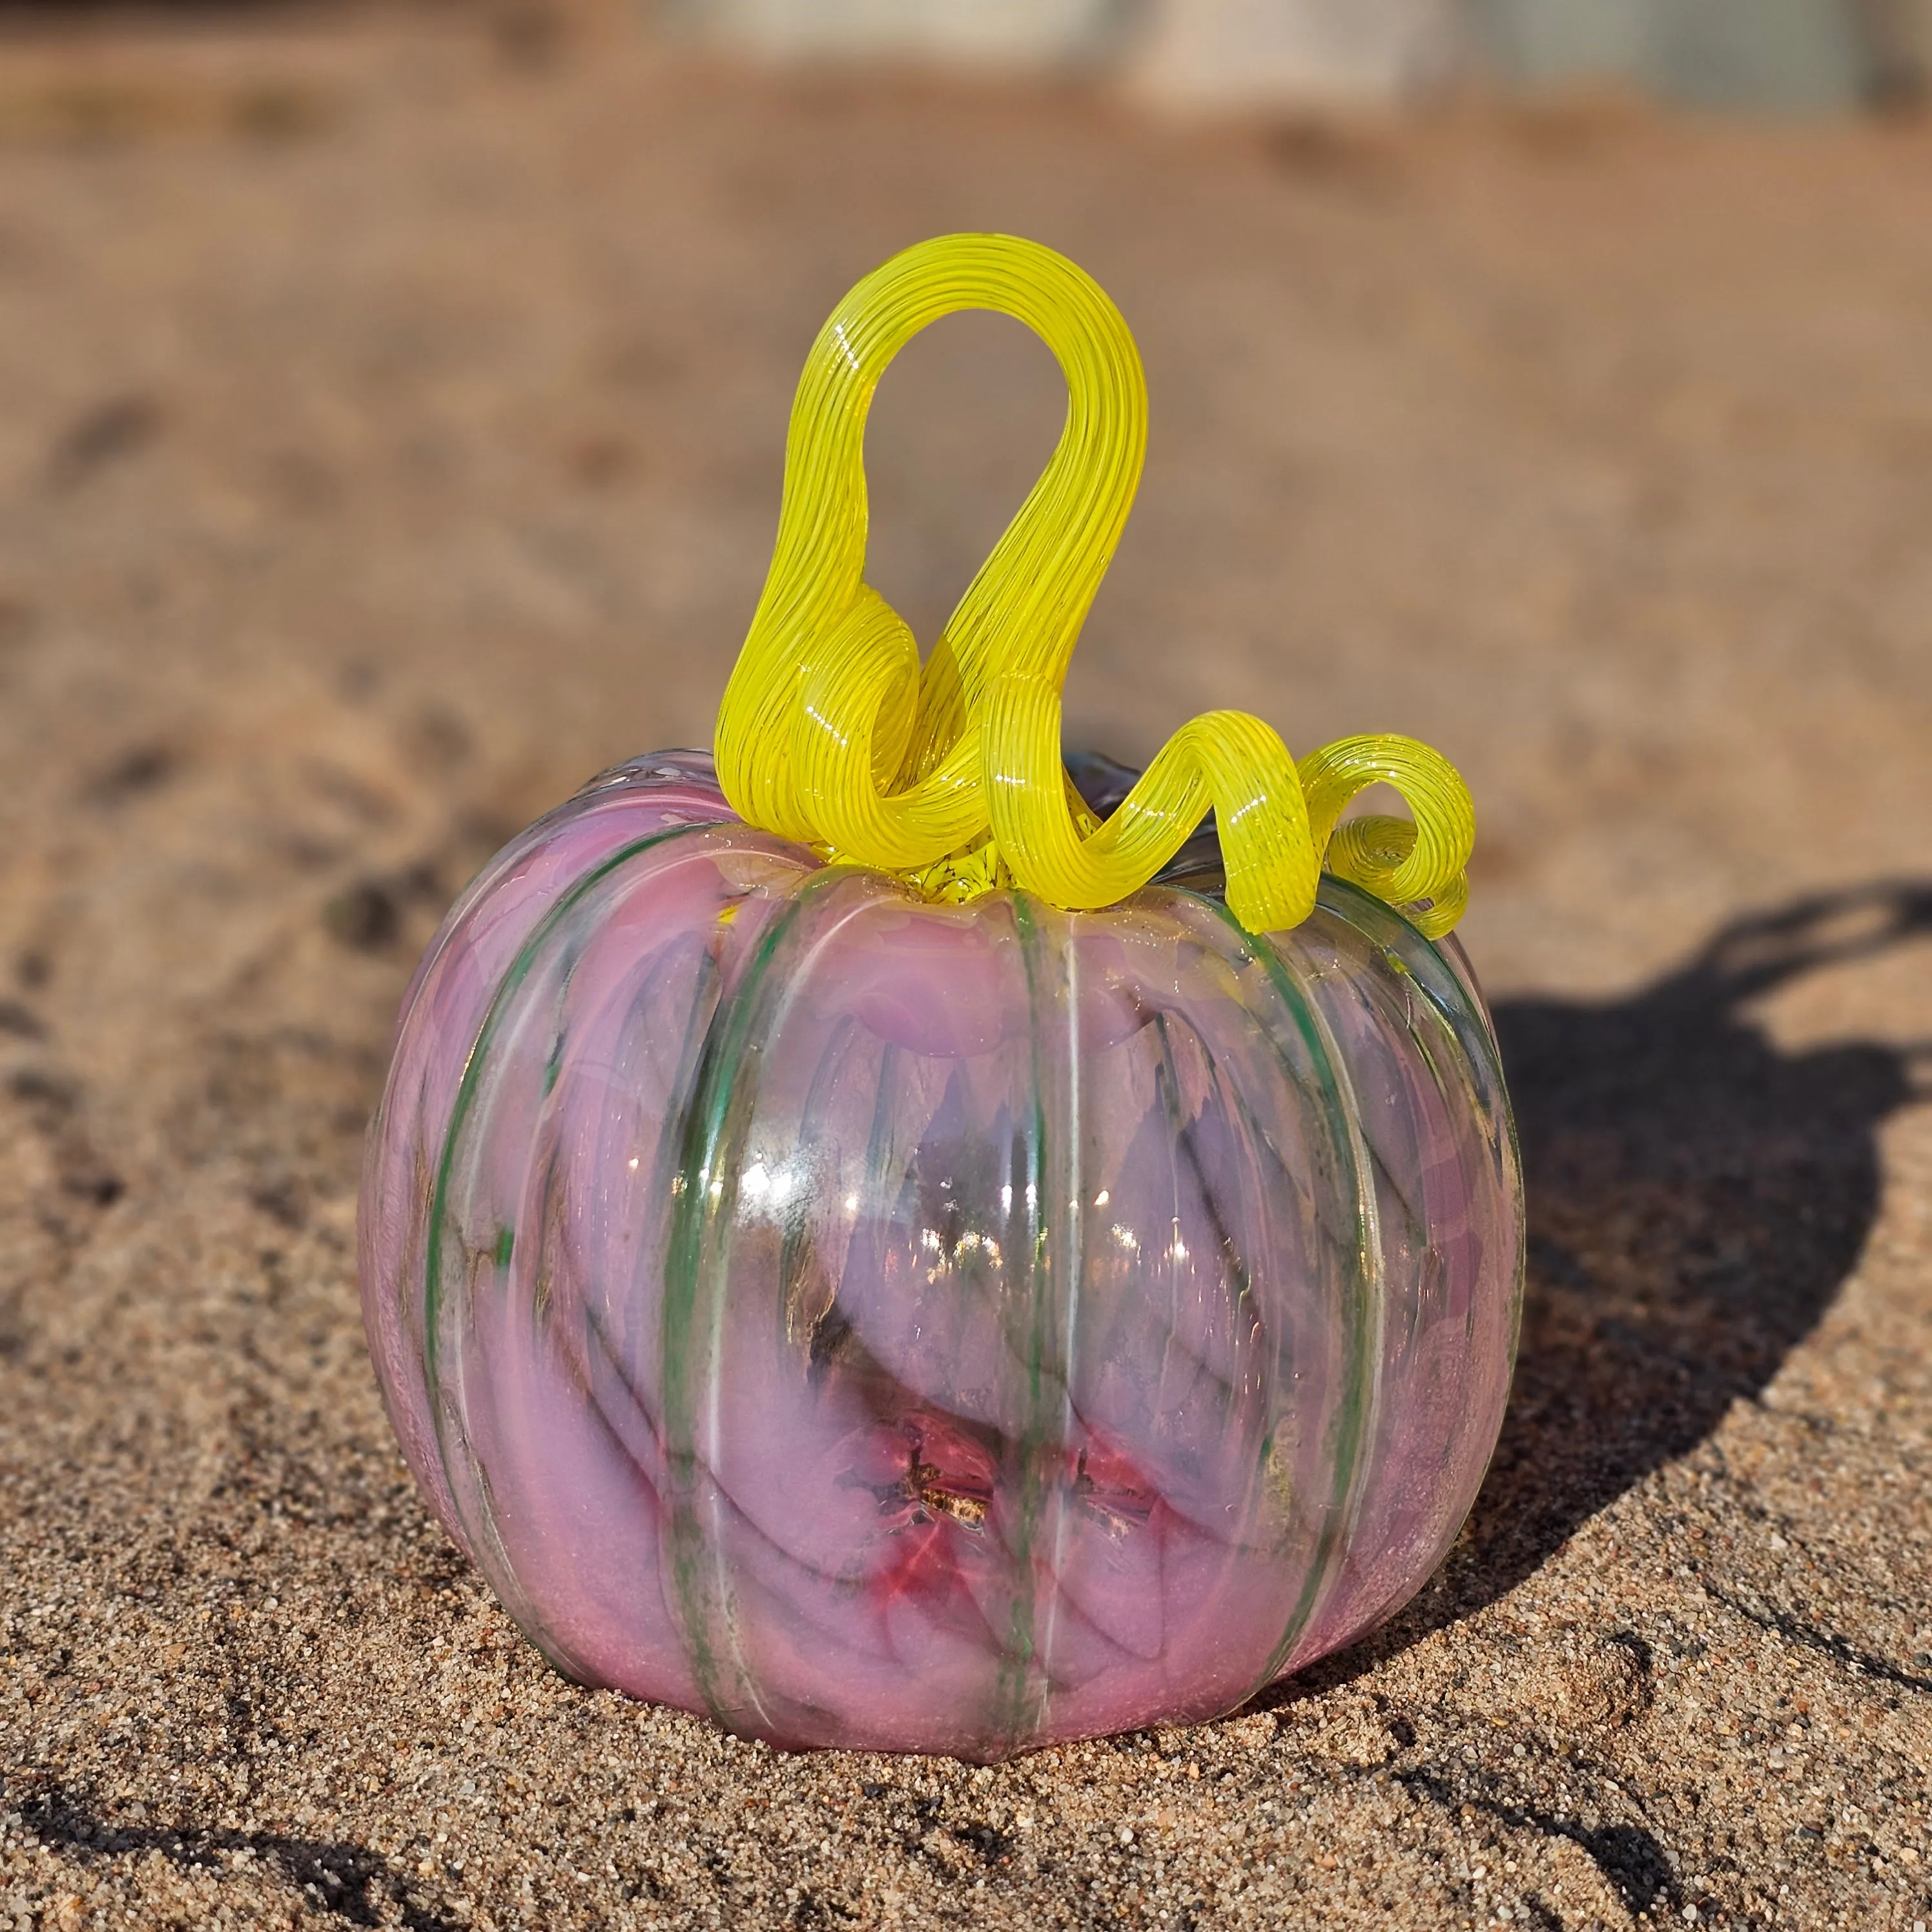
(922, 1327)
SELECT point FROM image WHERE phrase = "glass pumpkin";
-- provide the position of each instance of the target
(933, 1328)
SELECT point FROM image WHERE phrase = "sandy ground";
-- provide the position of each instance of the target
(390, 423)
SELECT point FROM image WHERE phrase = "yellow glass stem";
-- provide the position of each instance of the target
(950, 774)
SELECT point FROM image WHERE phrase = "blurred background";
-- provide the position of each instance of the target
(1790, 55)
(398, 392)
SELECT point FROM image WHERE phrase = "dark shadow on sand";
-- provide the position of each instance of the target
(1696, 1199)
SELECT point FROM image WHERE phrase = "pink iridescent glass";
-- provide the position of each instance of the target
(936, 1328)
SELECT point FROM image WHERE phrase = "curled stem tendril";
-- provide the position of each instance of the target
(948, 773)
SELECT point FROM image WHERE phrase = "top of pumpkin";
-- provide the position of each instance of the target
(949, 774)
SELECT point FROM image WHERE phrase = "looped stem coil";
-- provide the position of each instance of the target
(950, 774)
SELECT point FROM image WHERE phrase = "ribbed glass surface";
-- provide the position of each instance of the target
(933, 1327)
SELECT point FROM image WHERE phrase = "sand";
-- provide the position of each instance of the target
(390, 421)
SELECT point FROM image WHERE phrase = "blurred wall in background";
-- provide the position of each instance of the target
(1791, 56)
(998, 32)
(1237, 51)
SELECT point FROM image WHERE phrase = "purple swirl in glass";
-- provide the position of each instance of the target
(920, 1327)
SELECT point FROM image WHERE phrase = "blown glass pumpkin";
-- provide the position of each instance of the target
(879, 1284)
